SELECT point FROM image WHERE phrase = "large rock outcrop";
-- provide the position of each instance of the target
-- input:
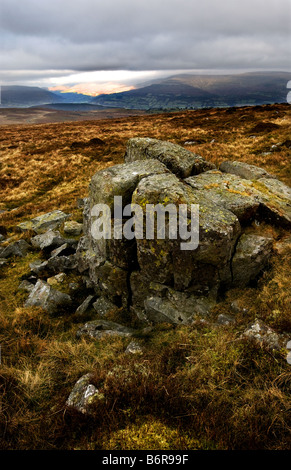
(152, 274)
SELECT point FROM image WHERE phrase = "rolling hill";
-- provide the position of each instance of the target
(24, 96)
(200, 91)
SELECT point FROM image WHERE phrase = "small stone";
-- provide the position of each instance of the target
(289, 358)
(288, 346)
(83, 394)
(85, 305)
(98, 328)
(44, 296)
(263, 334)
(26, 285)
(103, 306)
(60, 250)
(134, 348)
(73, 228)
(42, 223)
(46, 240)
(18, 248)
(57, 279)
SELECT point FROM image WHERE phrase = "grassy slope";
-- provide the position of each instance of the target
(193, 388)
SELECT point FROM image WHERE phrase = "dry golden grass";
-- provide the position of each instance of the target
(202, 387)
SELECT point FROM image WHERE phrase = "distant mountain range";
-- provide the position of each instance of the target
(176, 92)
(24, 97)
(200, 91)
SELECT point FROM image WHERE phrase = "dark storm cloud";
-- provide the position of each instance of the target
(85, 35)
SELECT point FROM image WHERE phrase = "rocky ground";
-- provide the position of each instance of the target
(214, 321)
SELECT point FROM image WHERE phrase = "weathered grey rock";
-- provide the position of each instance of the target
(25, 285)
(288, 345)
(180, 161)
(49, 299)
(103, 306)
(178, 308)
(288, 358)
(275, 202)
(121, 180)
(119, 252)
(163, 260)
(112, 281)
(244, 170)
(42, 223)
(147, 274)
(54, 265)
(85, 305)
(251, 257)
(84, 254)
(57, 279)
(39, 267)
(73, 228)
(262, 333)
(98, 328)
(63, 250)
(83, 395)
(228, 191)
(49, 239)
(276, 187)
(18, 248)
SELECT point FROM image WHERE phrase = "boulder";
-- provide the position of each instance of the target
(150, 273)
(162, 260)
(18, 248)
(49, 299)
(244, 170)
(178, 160)
(229, 191)
(251, 257)
(42, 223)
(121, 180)
(179, 310)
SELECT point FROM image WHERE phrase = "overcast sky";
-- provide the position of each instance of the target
(112, 43)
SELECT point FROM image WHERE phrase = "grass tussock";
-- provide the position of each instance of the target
(199, 387)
